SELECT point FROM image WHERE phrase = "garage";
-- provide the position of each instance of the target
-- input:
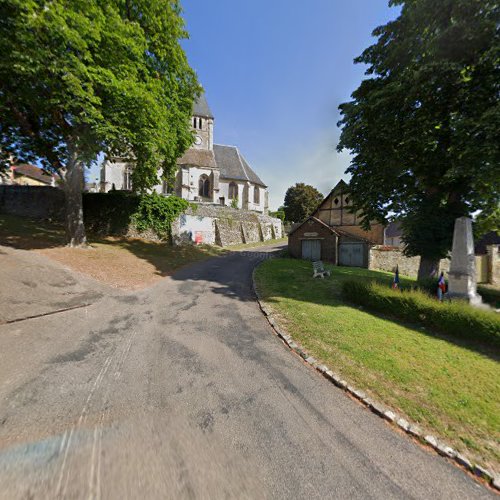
(311, 250)
(353, 250)
(313, 240)
(351, 254)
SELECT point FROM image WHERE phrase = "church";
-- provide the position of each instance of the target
(208, 173)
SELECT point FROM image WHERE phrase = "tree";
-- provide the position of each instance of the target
(423, 128)
(279, 214)
(301, 201)
(81, 77)
(487, 222)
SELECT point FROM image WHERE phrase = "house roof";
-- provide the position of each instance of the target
(348, 234)
(233, 166)
(490, 238)
(393, 229)
(333, 231)
(201, 108)
(33, 172)
(198, 157)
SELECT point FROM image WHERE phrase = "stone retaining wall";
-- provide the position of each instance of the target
(225, 226)
(210, 224)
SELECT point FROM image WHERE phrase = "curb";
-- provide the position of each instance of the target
(379, 409)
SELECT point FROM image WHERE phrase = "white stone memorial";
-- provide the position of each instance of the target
(462, 274)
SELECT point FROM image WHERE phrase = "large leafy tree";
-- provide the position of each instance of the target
(424, 127)
(82, 77)
(300, 201)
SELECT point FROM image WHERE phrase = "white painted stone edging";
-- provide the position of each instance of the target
(413, 430)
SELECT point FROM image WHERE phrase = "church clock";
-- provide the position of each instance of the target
(197, 140)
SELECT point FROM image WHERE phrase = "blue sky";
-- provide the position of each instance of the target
(275, 72)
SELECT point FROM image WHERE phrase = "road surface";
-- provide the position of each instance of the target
(182, 391)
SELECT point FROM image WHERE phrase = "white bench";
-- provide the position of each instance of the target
(319, 270)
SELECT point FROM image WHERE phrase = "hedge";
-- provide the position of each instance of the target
(489, 295)
(456, 319)
(115, 212)
(109, 213)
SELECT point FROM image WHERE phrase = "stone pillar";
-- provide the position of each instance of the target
(215, 186)
(462, 274)
(493, 265)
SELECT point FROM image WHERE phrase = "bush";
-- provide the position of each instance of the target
(157, 213)
(490, 295)
(456, 319)
(113, 213)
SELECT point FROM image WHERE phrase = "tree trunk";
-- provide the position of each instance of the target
(73, 187)
(428, 268)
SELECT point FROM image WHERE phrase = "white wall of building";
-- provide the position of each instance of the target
(188, 185)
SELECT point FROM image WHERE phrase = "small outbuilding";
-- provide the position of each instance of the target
(313, 240)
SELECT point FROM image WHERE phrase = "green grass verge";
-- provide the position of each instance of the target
(450, 387)
(257, 244)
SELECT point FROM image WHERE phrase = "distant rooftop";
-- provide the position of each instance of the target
(201, 108)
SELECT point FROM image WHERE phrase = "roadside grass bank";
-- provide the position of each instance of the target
(128, 263)
(245, 246)
(449, 386)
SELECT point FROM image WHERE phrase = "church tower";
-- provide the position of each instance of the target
(202, 124)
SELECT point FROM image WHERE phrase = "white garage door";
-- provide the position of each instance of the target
(351, 254)
(311, 249)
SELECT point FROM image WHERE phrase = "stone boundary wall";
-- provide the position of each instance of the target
(225, 226)
(210, 224)
(37, 202)
(493, 264)
(383, 258)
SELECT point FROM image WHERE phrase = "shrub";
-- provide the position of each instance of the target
(157, 213)
(234, 203)
(456, 319)
(490, 295)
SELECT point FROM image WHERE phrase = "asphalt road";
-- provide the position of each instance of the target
(182, 391)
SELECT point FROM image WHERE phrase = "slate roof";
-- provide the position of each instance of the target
(33, 172)
(233, 166)
(393, 229)
(201, 108)
(198, 157)
(491, 238)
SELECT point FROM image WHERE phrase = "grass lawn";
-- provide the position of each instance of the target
(450, 387)
(257, 244)
(121, 262)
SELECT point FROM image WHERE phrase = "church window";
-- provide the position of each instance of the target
(194, 121)
(256, 195)
(336, 201)
(200, 123)
(233, 190)
(204, 186)
(127, 179)
(347, 201)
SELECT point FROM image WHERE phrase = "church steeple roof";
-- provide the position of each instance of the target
(201, 108)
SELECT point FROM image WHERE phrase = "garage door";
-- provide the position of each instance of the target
(351, 254)
(311, 249)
